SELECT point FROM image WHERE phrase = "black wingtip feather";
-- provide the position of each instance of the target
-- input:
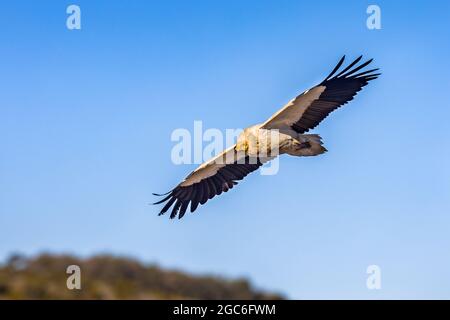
(349, 66)
(167, 206)
(194, 205)
(349, 73)
(161, 201)
(336, 68)
(365, 72)
(175, 209)
(183, 209)
(162, 194)
(350, 70)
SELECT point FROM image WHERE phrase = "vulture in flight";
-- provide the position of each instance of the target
(283, 133)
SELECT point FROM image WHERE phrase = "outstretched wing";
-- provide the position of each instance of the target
(308, 109)
(210, 179)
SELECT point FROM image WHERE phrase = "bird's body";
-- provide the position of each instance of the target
(256, 141)
(283, 133)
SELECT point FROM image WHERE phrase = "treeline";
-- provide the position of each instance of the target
(112, 277)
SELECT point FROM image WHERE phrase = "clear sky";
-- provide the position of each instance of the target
(86, 117)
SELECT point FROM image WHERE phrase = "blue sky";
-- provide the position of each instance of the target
(86, 118)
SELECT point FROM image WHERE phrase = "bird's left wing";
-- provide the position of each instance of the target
(308, 109)
(210, 179)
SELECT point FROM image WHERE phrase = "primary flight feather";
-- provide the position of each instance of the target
(285, 130)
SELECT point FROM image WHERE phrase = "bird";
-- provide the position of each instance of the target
(285, 132)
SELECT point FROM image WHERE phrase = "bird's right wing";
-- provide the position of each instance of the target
(308, 109)
(210, 179)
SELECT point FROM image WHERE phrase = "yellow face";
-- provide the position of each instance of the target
(242, 145)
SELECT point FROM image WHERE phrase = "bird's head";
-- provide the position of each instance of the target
(242, 146)
(242, 142)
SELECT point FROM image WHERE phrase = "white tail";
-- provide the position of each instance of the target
(305, 145)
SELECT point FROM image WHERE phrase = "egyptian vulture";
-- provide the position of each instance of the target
(283, 133)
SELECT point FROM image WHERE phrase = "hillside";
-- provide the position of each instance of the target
(112, 277)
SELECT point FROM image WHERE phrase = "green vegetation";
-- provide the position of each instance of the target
(111, 277)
